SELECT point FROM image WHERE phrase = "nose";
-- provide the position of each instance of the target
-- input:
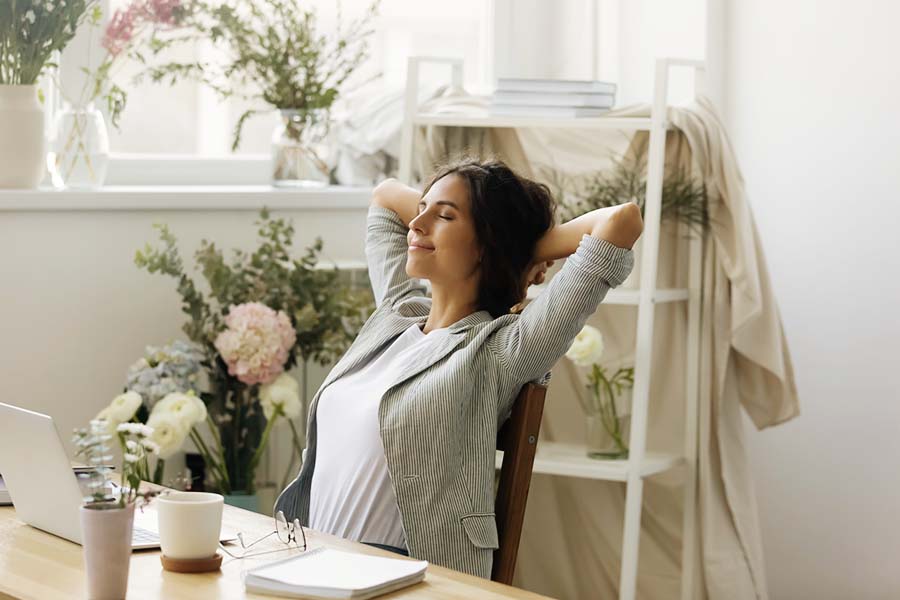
(418, 223)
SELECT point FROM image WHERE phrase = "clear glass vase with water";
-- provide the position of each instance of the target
(79, 148)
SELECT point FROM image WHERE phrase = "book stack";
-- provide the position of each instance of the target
(552, 97)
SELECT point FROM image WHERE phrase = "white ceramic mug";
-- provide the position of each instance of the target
(189, 523)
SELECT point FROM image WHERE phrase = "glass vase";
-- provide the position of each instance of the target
(79, 150)
(607, 426)
(299, 148)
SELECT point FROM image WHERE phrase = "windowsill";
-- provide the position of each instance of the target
(185, 197)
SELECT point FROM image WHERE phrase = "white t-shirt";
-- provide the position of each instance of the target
(351, 494)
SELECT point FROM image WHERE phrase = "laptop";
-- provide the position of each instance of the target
(42, 484)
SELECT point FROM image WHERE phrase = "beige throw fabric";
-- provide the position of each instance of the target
(571, 543)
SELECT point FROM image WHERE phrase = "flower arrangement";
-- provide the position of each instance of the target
(31, 31)
(265, 313)
(604, 390)
(272, 54)
(164, 428)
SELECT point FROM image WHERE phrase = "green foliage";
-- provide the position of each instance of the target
(683, 198)
(30, 32)
(272, 53)
(326, 314)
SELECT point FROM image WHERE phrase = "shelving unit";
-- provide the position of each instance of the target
(568, 459)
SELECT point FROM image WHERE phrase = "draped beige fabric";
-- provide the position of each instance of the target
(571, 543)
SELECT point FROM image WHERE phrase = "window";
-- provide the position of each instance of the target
(188, 119)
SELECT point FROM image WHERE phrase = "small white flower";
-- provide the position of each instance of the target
(131, 445)
(150, 446)
(29, 16)
(130, 458)
(48, 7)
(587, 347)
(283, 392)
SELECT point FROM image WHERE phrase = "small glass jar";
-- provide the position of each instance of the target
(299, 149)
(607, 427)
(79, 150)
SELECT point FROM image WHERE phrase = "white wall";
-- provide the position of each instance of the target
(812, 94)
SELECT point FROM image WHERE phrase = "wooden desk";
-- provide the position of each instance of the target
(35, 564)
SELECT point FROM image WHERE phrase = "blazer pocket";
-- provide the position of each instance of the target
(482, 530)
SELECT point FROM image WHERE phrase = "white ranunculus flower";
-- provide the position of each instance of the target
(122, 408)
(186, 407)
(587, 347)
(169, 431)
(284, 391)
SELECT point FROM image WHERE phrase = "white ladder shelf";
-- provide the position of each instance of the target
(569, 459)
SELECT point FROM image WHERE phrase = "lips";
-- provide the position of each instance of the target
(420, 246)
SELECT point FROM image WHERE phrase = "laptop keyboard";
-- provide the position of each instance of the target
(141, 536)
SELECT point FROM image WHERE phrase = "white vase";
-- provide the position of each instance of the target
(22, 144)
(106, 534)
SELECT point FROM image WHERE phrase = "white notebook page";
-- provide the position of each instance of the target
(328, 568)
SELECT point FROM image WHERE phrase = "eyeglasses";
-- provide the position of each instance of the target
(288, 533)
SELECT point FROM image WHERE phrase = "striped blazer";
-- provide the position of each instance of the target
(439, 419)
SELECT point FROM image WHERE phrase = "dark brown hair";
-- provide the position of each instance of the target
(510, 213)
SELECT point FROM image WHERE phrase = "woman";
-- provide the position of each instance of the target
(403, 431)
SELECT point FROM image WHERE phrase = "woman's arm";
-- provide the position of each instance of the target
(619, 225)
(392, 207)
(400, 198)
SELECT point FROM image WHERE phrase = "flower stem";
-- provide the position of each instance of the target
(262, 446)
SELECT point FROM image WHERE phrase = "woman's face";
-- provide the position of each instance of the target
(443, 246)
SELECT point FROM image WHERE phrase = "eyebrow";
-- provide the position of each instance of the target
(445, 202)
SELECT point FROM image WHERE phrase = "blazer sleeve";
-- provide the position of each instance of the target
(530, 345)
(386, 248)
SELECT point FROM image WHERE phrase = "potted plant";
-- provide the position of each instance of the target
(30, 34)
(608, 404)
(265, 313)
(107, 516)
(273, 56)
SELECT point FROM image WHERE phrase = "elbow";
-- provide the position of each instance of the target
(382, 191)
(623, 227)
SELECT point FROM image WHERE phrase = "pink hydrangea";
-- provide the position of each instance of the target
(256, 343)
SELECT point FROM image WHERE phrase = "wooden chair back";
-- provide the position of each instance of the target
(518, 441)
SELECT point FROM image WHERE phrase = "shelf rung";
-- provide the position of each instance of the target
(460, 120)
(571, 460)
(627, 297)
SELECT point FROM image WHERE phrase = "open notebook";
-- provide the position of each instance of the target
(327, 573)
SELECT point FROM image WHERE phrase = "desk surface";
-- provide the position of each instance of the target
(35, 564)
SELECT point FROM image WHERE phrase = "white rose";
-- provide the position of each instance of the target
(284, 391)
(121, 409)
(587, 348)
(187, 408)
(169, 431)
